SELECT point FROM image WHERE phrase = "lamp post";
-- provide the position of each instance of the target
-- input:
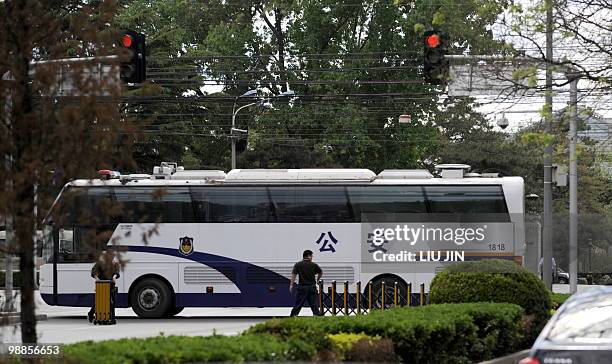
(249, 93)
(234, 133)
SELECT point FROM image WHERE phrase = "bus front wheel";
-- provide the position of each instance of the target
(151, 298)
(173, 311)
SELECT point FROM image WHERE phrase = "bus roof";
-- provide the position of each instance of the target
(172, 175)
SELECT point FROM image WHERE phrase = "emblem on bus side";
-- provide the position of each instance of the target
(186, 245)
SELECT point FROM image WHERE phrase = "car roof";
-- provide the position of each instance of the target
(574, 301)
(585, 296)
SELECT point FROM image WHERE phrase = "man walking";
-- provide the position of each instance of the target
(306, 289)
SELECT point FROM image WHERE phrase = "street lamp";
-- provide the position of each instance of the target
(235, 133)
(288, 93)
(249, 93)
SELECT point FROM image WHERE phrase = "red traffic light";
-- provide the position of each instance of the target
(432, 40)
(127, 40)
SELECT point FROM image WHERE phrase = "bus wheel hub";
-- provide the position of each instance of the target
(148, 298)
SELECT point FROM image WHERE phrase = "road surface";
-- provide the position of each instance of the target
(69, 324)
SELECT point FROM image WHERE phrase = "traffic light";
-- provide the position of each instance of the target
(435, 66)
(134, 62)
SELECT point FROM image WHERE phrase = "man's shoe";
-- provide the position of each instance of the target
(90, 316)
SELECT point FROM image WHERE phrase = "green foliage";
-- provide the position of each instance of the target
(540, 139)
(493, 280)
(335, 131)
(344, 341)
(438, 18)
(558, 299)
(182, 349)
(447, 333)
(359, 347)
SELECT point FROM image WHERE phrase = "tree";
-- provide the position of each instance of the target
(582, 39)
(355, 66)
(47, 139)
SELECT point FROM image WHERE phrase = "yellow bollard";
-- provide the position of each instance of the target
(358, 298)
(370, 296)
(321, 309)
(346, 312)
(422, 294)
(382, 292)
(395, 294)
(333, 298)
(409, 298)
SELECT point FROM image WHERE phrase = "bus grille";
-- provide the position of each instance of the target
(330, 273)
(204, 275)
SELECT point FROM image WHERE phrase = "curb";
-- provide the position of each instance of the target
(509, 359)
(12, 318)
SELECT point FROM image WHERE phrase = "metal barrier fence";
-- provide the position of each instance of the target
(383, 296)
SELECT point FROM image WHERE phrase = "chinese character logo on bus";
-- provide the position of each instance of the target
(186, 245)
(327, 245)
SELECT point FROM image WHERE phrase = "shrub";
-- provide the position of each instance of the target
(558, 299)
(448, 333)
(343, 341)
(181, 349)
(494, 280)
(362, 348)
(372, 351)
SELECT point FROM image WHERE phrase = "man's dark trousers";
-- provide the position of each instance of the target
(306, 293)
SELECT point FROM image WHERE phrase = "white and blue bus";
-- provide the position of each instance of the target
(215, 239)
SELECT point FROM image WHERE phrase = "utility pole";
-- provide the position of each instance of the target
(9, 305)
(573, 185)
(547, 268)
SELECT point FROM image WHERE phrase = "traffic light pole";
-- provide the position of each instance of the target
(547, 266)
(573, 185)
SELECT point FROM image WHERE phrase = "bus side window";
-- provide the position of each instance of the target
(388, 203)
(155, 205)
(307, 204)
(200, 205)
(239, 204)
(478, 203)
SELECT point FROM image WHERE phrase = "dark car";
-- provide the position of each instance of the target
(580, 332)
(562, 276)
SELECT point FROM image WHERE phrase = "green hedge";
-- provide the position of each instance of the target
(494, 280)
(558, 299)
(448, 333)
(184, 349)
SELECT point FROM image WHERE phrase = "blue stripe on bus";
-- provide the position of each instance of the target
(80, 299)
(272, 288)
(274, 299)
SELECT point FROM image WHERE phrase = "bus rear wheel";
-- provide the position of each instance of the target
(389, 293)
(151, 298)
